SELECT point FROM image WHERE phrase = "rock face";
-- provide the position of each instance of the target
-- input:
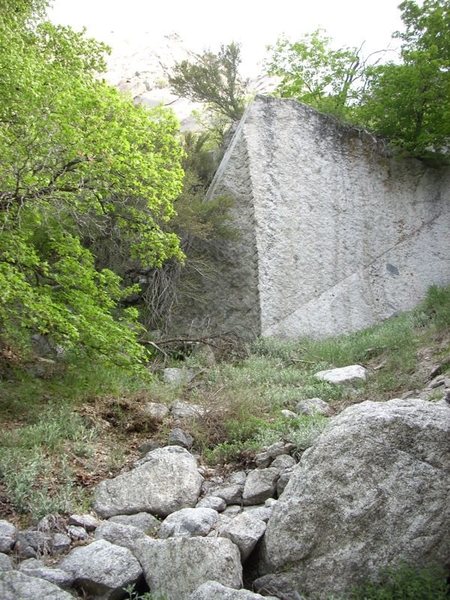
(334, 233)
(372, 492)
(176, 567)
(166, 481)
(17, 586)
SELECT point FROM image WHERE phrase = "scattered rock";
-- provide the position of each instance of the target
(237, 478)
(288, 414)
(36, 568)
(60, 543)
(259, 512)
(143, 521)
(284, 480)
(232, 510)
(102, 569)
(260, 485)
(278, 585)
(5, 562)
(178, 437)
(177, 376)
(18, 586)
(245, 531)
(119, 534)
(214, 502)
(211, 590)
(8, 536)
(176, 567)
(231, 494)
(32, 544)
(156, 411)
(189, 522)
(166, 481)
(263, 459)
(371, 493)
(314, 406)
(343, 374)
(184, 410)
(87, 521)
(77, 533)
(282, 462)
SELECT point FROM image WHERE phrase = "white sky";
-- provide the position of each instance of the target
(255, 24)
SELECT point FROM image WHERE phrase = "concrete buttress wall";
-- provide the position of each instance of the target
(335, 234)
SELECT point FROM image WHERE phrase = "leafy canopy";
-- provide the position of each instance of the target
(406, 100)
(213, 79)
(75, 156)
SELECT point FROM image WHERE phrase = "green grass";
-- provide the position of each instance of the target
(405, 583)
(47, 433)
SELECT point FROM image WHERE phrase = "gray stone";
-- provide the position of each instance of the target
(177, 566)
(5, 562)
(372, 492)
(156, 411)
(314, 406)
(177, 376)
(288, 414)
(264, 459)
(77, 533)
(189, 522)
(143, 521)
(232, 510)
(259, 512)
(178, 437)
(36, 568)
(347, 374)
(232, 494)
(284, 480)
(184, 410)
(102, 569)
(119, 534)
(60, 543)
(245, 531)
(283, 462)
(87, 521)
(166, 481)
(31, 543)
(213, 502)
(211, 590)
(237, 478)
(260, 485)
(18, 586)
(8, 536)
(278, 585)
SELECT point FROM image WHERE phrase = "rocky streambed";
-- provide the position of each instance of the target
(372, 492)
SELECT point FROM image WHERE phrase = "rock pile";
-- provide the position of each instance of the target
(372, 491)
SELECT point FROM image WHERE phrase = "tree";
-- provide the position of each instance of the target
(312, 72)
(76, 157)
(409, 102)
(213, 79)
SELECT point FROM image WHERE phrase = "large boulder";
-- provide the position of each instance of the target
(166, 480)
(102, 569)
(18, 586)
(372, 492)
(175, 567)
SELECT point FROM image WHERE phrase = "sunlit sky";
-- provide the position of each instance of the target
(255, 24)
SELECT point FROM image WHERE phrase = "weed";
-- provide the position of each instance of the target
(405, 583)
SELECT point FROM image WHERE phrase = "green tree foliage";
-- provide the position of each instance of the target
(312, 72)
(75, 157)
(213, 79)
(409, 102)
